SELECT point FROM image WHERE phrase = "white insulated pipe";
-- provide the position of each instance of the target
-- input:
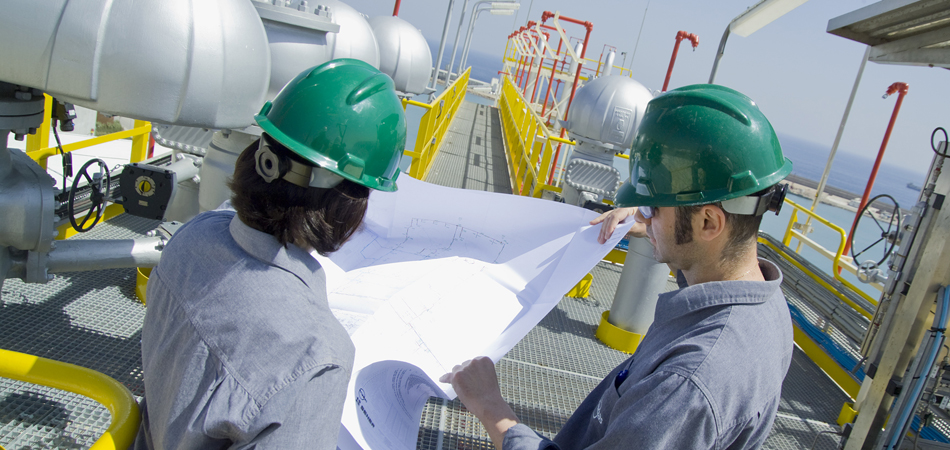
(641, 282)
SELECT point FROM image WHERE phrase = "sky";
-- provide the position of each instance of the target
(799, 75)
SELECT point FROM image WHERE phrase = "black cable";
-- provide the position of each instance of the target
(67, 157)
(933, 145)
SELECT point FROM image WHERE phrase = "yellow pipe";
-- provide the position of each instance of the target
(86, 382)
(44, 153)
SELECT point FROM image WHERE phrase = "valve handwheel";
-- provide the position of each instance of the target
(99, 190)
(888, 234)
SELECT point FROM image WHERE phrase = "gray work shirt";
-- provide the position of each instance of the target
(708, 375)
(239, 347)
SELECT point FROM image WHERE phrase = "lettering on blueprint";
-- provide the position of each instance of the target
(619, 124)
(360, 399)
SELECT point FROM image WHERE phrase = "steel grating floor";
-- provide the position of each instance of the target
(93, 320)
(90, 319)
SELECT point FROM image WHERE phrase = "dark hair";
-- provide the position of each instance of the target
(321, 219)
(745, 228)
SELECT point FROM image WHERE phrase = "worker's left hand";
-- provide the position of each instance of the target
(612, 218)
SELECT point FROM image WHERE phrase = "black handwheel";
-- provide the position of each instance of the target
(888, 233)
(99, 190)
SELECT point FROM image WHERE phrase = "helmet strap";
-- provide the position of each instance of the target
(757, 205)
(271, 166)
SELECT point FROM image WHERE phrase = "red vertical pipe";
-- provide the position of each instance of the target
(679, 37)
(902, 89)
(534, 94)
(560, 42)
(589, 26)
(530, 67)
(396, 8)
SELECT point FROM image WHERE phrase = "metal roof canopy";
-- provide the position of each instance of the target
(907, 32)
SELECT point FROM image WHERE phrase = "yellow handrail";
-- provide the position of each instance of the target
(38, 148)
(434, 125)
(836, 261)
(528, 143)
(86, 382)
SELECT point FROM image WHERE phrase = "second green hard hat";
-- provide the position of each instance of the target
(344, 116)
(702, 144)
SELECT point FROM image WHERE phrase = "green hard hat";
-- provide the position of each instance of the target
(343, 116)
(702, 144)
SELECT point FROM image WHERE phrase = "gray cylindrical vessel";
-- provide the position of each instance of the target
(641, 281)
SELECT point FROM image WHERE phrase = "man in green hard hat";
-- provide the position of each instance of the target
(704, 168)
(239, 347)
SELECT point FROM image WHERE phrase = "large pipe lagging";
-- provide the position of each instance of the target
(86, 255)
(641, 282)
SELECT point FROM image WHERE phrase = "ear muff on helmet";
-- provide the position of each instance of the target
(271, 165)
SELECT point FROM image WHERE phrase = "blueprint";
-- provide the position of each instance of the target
(436, 276)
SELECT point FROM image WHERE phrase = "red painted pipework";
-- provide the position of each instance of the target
(396, 8)
(679, 37)
(527, 78)
(590, 27)
(520, 61)
(901, 88)
(560, 42)
(534, 94)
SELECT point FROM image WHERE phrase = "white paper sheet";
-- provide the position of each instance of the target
(437, 276)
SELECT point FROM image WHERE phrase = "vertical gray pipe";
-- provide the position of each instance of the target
(438, 61)
(458, 33)
(641, 281)
(719, 53)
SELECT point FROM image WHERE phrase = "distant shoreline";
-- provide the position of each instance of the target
(836, 197)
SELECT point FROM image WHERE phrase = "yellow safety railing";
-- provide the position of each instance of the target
(38, 148)
(836, 263)
(434, 125)
(529, 144)
(86, 382)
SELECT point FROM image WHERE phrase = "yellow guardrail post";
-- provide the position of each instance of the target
(435, 125)
(86, 382)
(529, 143)
(836, 261)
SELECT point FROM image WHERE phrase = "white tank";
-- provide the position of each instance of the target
(606, 112)
(304, 34)
(201, 63)
(404, 53)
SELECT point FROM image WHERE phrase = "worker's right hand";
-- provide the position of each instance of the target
(476, 384)
(612, 218)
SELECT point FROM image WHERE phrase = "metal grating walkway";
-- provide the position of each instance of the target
(91, 319)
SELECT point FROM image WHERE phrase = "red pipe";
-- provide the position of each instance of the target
(560, 42)
(396, 8)
(679, 37)
(590, 27)
(901, 88)
(534, 94)
(527, 76)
